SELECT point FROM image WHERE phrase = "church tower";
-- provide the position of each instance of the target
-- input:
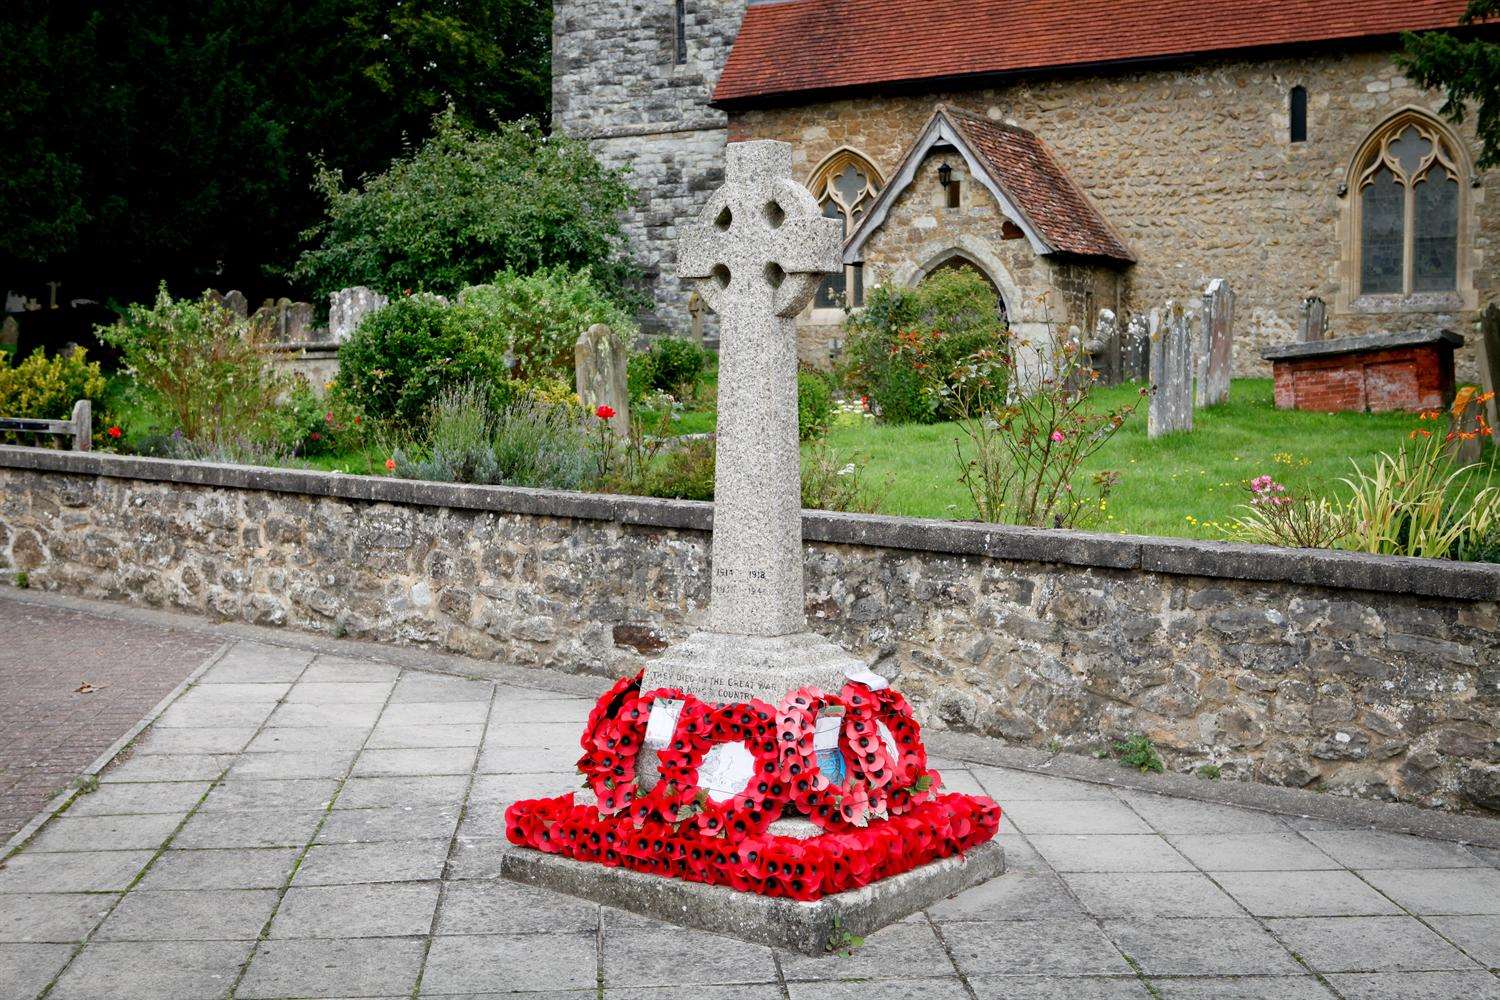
(634, 77)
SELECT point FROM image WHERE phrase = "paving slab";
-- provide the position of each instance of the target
(678, 957)
(900, 951)
(52, 918)
(1059, 988)
(1110, 853)
(1150, 894)
(332, 968)
(26, 969)
(443, 760)
(391, 861)
(1186, 816)
(152, 970)
(474, 963)
(265, 828)
(345, 670)
(1368, 944)
(167, 767)
(87, 833)
(1167, 946)
(1417, 986)
(1305, 894)
(1479, 936)
(1450, 890)
(235, 868)
(1252, 852)
(252, 795)
(1242, 988)
(1377, 849)
(284, 764)
(486, 906)
(389, 736)
(363, 826)
(140, 797)
(1034, 947)
(97, 871)
(391, 909)
(1073, 817)
(189, 915)
(1016, 896)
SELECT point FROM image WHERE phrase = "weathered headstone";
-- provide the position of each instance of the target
(1103, 348)
(234, 301)
(1135, 350)
(10, 332)
(1171, 372)
(1314, 320)
(599, 372)
(1216, 346)
(348, 307)
(297, 322)
(695, 310)
(1489, 365)
(1464, 447)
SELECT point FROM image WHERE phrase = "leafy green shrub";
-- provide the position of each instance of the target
(46, 388)
(467, 204)
(537, 317)
(308, 424)
(403, 356)
(670, 365)
(832, 481)
(1137, 752)
(954, 312)
(526, 443)
(814, 404)
(211, 372)
(685, 473)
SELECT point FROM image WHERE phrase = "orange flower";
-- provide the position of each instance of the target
(390, 465)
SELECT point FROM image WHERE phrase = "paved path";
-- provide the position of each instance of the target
(299, 825)
(71, 684)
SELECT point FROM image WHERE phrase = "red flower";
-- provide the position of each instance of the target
(604, 412)
(390, 465)
(114, 432)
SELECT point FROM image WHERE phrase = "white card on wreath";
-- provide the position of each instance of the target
(826, 732)
(662, 722)
(726, 769)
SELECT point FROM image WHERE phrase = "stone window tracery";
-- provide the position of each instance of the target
(1408, 204)
(845, 185)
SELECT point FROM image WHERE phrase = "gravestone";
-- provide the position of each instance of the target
(1489, 365)
(1216, 346)
(599, 372)
(695, 310)
(1135, 350)
(1314, 322)
(234, 301)
(10, 333)
(1171, 408)
(348, 307)
(1103, 348)
(297, 322)
(1465, 447)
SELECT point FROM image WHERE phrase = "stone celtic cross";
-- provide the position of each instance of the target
(758, 251)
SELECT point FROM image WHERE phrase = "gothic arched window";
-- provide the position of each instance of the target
(1408, 194)
(845, 185)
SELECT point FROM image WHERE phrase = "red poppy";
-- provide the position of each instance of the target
(604, 412)
(114, 432)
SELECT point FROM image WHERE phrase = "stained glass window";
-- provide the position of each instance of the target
(845, 186)
(1409, 206)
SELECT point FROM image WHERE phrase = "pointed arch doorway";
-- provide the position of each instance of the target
(961, 263)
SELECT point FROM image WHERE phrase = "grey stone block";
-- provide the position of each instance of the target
(320, 715)
(51, 917)
(144, 970)
(900, 951)
(1417, 986)
(391, 909)
(398, 737)
(384, 793)
(1059, 988)
(737, 991)
(1110, 853)
(1377, 849)
(574, 711)
(343, 670)
(446, 760)
(1243, 988)
(220, 693)
(1478, 936)
(1212, 947)
(440, 713)
(268, 828)
(1019, 896)
(140, 797)
(511, 962)
(88, 833)
(235, 868)
(677, 957)
(486, 906)
(480, 857)
(98, 871)
(25, 969)
(282, 765)
(1151, 894)
(1184, 816)
(1033, 948)
(248, 662)
(361, 826)
(510, 760)
(1073, 817)
(393, 861)
(309, 740)
(180, 716)
(1305, 894)
(333, 968)
(796, 926)
(168, 767)
(1450, 890)
(339, 693)
(1368, 944)
(878, 989)
(260, 795)
(219, 739)
(431, 688)
(1251, 852)
(200, 915)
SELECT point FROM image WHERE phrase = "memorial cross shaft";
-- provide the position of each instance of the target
(758, 251)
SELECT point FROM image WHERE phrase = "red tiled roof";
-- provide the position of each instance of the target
(1053, 211)
(816, 45)
(1025, 169)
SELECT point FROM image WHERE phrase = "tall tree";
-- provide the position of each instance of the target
(159, 139)
(1466, 69)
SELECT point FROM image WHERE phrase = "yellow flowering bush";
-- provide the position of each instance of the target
(46, 388)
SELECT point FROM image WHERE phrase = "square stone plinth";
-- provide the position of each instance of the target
(810, 928)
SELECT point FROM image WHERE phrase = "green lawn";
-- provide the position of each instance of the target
(1169, 486)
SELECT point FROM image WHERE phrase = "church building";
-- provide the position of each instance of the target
(1080, 155)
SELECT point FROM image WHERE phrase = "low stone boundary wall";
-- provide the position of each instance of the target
(1377, 677)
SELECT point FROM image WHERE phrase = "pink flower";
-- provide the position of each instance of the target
(1057, 435)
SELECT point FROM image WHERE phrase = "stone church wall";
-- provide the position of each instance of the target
(1194, 166)
(1359, 675)
(615, 82)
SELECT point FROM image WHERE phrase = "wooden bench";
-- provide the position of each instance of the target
(80, 427)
